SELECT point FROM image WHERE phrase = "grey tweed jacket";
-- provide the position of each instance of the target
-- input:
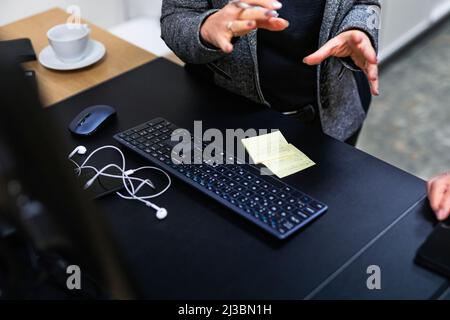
(340, 106)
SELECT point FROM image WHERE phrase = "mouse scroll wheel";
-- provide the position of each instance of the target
(84, 119)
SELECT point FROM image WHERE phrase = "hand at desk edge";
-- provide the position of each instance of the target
(439, 194)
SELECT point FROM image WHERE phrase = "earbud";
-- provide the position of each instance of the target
(78, 150)
(161, 213)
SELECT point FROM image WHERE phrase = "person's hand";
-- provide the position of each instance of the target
(233, 21)
(356, 45)
(439, 195)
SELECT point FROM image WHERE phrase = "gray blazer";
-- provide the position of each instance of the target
(340, 106)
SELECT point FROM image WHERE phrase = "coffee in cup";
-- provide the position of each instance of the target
(69, 42)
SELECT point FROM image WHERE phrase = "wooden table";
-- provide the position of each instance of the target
(55, 85)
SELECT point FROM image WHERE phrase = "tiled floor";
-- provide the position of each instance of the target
(409, 124)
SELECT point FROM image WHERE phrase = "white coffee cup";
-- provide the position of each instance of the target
(69, 42)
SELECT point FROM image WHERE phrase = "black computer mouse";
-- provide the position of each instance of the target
(91, 119)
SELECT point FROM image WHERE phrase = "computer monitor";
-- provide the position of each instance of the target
(41, 204)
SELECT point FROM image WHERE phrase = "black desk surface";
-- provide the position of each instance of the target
(378, 214)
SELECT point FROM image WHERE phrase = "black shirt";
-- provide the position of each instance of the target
(287, 83)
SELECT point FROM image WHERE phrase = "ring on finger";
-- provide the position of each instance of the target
(240, 4)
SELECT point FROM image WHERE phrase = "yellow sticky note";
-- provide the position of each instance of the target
(293, 162)
(267, 147)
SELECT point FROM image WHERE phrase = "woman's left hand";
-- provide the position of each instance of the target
(356, 45)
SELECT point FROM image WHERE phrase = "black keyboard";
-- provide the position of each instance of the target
(265, 200)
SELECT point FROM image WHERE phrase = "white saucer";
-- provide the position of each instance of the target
(95, 52)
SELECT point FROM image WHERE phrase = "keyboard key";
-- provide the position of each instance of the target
(154, 122)
(289, 208)
(294, 220)
(316, 205)
(288, 225)
(274, 209)
(302, 213)
(310, 210)
(305, 199)
(262, 192)
(229, 174)
(249, 193)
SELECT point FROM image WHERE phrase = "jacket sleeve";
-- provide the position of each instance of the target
(181, 21)
(364, 16)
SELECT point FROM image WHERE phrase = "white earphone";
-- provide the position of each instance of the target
(126, 176)
(78, 150)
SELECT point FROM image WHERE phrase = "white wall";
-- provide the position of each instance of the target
(104, 13)
(403, 20)
(148, 8)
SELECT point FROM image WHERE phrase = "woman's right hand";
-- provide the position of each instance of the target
(233, 21)
(439, 195)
